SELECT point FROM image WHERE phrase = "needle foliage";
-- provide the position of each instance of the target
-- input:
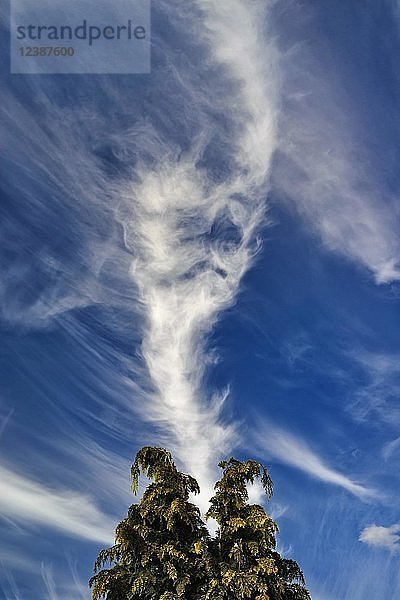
(163, 550)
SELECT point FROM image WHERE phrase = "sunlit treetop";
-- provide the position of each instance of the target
(163, 550)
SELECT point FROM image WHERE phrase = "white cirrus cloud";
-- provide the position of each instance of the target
(382, 537)
(326, 173)
(377, 398)
(190, 201)
(193, 237)
(26, 501)
(390, 448)
(290, 450)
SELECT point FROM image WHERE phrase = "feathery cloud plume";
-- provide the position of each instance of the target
(193, 238)
(327, 176)
(27, 501)
(288, 449)
(189, 228)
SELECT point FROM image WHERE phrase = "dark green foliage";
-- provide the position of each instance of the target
(163, 550)
(157, 552)
(243, 555)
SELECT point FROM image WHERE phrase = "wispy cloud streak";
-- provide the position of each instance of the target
(190, 232)
(327, 175)
(376, 400)
(189, 228)
(288, 449)
(194, 238)
(27, 501)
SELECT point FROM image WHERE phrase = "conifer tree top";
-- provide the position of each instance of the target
(163, 550)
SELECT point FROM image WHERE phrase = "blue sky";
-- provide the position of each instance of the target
(207, 258)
